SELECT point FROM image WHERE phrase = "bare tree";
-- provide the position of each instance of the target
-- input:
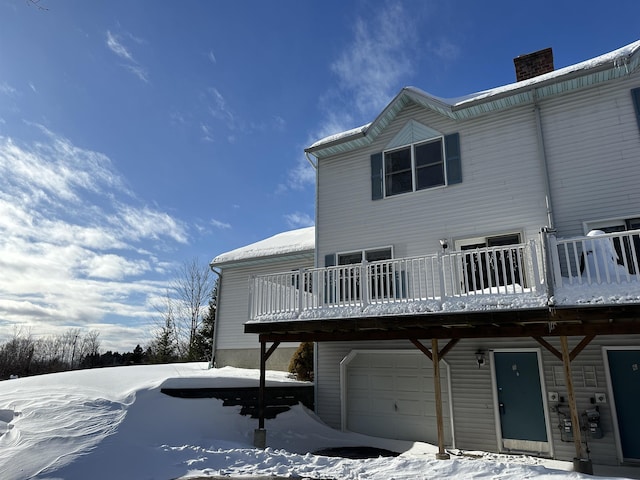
(192, 287)
(16, 355)
(36, 3)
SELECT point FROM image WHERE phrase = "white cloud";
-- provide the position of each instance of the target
(299, 220)
(75, 245)
(7, 89)
(279, 124)
(444, 49)
(370, 68)
(369, 71)
(219, 109)
(139, 72)
(117, 46)
(207, 133)
(145, 223)
(212, 57)
(220, 225)
(301, 175)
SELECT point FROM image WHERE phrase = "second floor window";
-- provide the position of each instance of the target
(415, 167)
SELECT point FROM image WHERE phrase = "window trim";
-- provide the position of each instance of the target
(415, 167)
(459, 243)
(363, 253)
(589, 225)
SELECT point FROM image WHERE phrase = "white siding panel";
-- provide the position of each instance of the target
(593, 148)
(501, 174)
(472, 393)
(234, 301)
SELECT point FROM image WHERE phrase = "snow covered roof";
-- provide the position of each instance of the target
(300, 242)
(615, 64)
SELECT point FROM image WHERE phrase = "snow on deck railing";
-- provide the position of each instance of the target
(597, 259)
(505, 270)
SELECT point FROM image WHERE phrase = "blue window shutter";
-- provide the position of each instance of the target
(376, 176)
(635, 95)
(330, 260)
(454, 162)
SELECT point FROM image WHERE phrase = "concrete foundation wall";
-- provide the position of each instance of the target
(250, 358)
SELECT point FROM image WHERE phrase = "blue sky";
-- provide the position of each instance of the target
(137, 135)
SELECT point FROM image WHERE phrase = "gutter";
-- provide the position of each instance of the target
(338, 141)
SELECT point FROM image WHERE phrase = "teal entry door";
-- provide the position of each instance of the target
(624, 367)
(523, 422)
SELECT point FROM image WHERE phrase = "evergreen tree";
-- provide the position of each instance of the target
(137, 355)
(163, 347)
(301, 363)
(202, 345)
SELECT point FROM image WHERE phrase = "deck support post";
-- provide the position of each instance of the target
(260, 434)
(435, 356)
(580, 463)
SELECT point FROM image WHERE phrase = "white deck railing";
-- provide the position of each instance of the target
(605, 259)
(506, 270)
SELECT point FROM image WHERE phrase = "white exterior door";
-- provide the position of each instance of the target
(390, 394)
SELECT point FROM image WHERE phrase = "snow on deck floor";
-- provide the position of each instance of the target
(113, 423)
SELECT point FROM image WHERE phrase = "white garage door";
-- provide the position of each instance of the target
(390, 394)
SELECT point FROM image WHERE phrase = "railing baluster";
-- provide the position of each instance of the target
(513, 270)
(634, 254)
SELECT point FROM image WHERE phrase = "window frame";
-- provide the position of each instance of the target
(610, 223)
(363, 254)
(470, 245)
(415, 167)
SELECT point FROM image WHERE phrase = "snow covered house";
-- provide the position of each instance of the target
(456, 297)
(279, 254)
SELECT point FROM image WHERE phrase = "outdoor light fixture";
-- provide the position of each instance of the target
(480, 359)
(444, 243)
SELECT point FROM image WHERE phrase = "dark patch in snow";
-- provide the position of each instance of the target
(356, 452)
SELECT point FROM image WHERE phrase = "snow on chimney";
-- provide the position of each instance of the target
(533, 64)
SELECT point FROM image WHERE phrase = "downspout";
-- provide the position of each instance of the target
(550, 228)
(316, 263)
(314, 165)
(214, 340)
(543, 161)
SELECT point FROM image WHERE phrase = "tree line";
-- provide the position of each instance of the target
(183, 332)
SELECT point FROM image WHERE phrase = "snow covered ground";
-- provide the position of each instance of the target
(114, 423)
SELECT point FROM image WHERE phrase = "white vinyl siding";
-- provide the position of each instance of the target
(593, 148)
(501, 173)
(471, 388)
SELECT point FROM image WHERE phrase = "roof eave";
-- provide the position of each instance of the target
(339, 141)
(528, 92)
(259, 260)
(597, 74)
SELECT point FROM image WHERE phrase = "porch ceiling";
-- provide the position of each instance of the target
(569, 321)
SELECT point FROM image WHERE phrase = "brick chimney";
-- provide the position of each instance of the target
(533, 64)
